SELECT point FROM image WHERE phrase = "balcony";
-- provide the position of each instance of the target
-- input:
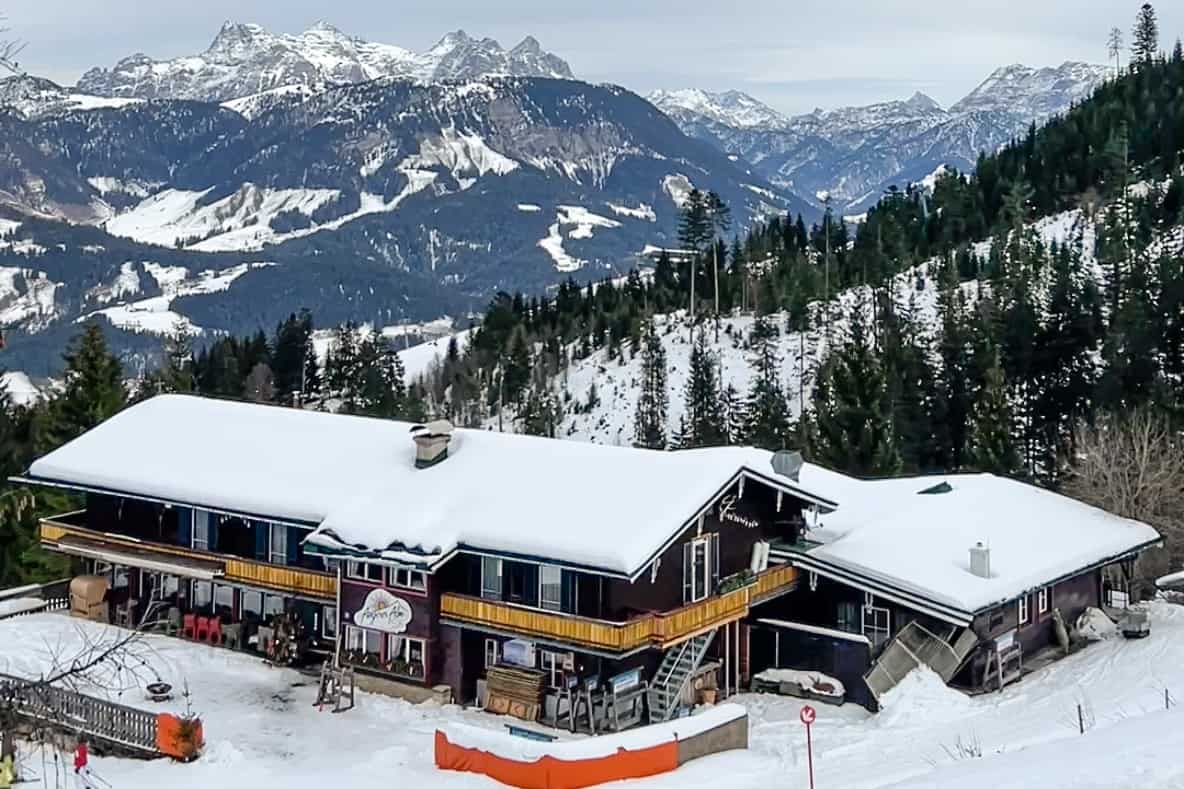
(660, 630)
(76, 540)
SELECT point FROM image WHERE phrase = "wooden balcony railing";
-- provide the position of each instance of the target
(660, 630)
(280, 578)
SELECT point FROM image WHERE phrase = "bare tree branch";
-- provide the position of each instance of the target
(1133, 465)
(10, 48)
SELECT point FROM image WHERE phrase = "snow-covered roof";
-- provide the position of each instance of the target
(889, 531)
(609, 509)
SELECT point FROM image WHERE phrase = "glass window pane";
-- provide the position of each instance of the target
(491, 578)
(550, 588)
(329, 621)
(203, 594)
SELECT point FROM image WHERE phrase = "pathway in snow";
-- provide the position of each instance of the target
(262, 729)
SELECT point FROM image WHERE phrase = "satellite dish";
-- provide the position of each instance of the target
(787, 463)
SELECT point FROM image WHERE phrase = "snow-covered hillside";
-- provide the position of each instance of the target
(261, 726)
(602, 394)
(246, 60)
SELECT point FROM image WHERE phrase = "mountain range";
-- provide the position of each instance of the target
(246, 59)
(853, 154)
(221, 191)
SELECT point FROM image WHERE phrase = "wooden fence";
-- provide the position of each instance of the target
(138, 731)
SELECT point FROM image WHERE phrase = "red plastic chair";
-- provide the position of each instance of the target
(203, 629)
(215, 637)
(189, 626)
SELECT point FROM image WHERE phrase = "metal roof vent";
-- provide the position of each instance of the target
(431, 442)
(980, 560)
(788, 464)
(941, 487)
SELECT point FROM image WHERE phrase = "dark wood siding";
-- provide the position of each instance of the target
(735, 541)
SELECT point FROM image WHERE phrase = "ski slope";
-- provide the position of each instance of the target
(262, 729)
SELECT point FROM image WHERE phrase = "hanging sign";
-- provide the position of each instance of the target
(383, 611)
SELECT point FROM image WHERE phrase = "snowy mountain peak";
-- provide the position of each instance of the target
(731, 108)
(245, 59)
(1038, 92)
(921, 101)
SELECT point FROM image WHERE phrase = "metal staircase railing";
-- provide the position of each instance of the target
(676, 669)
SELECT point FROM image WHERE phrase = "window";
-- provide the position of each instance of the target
(406, 656)
(554, 664)
(877, 625)
(252, 603)
(847, 618)
(697, 573)
(277, 552)
(1023, 606)
(203, 595)
(201, 530)
(550, 588)
(224, 601)
(272, 606)
(366, 641)
(1042, 601)
(493, 652)
(1117, 598)
(329, 621)
(119, 578)
(491, 578)
(362, 571)
(405, 578)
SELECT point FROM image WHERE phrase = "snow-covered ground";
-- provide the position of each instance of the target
(20, 388)
(261, 727)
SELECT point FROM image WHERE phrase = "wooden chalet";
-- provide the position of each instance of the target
(425, 557)
(529, 573)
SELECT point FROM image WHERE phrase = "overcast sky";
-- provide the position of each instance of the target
(792, 54)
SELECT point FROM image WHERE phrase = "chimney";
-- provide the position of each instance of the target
(980, 560)
(431, 442)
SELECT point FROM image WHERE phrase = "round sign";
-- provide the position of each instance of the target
(808, 715)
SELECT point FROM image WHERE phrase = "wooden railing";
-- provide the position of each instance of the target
(661, 630)
(99, 718)
(280, 578)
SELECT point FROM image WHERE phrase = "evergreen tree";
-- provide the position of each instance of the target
(704, 424)
(852, 419)
(177, 369)
(539, 414)
(911, 385)
(516, 370)
(649, 420)
(93, 392)
(992, 446)
(293, 363)
(954, 383)
(768, 424)
(1145, 38)
(343, 367)
(735, 415)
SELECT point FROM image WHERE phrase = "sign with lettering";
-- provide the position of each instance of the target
(730, 513)
(383, 611)
(626, 681)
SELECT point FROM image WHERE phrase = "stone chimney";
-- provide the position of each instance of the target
(980, 560)
(431, 442)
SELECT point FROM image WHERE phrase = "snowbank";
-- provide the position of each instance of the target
(521, 749)
(812, 681)
(1094, 625)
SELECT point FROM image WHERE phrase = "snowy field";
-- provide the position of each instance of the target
(262, 729)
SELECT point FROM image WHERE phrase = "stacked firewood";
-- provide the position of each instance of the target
(515, 691)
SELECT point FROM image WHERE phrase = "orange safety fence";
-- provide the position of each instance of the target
(551, 773)
(180, 738)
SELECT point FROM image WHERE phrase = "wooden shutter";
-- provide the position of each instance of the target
(688, 571)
